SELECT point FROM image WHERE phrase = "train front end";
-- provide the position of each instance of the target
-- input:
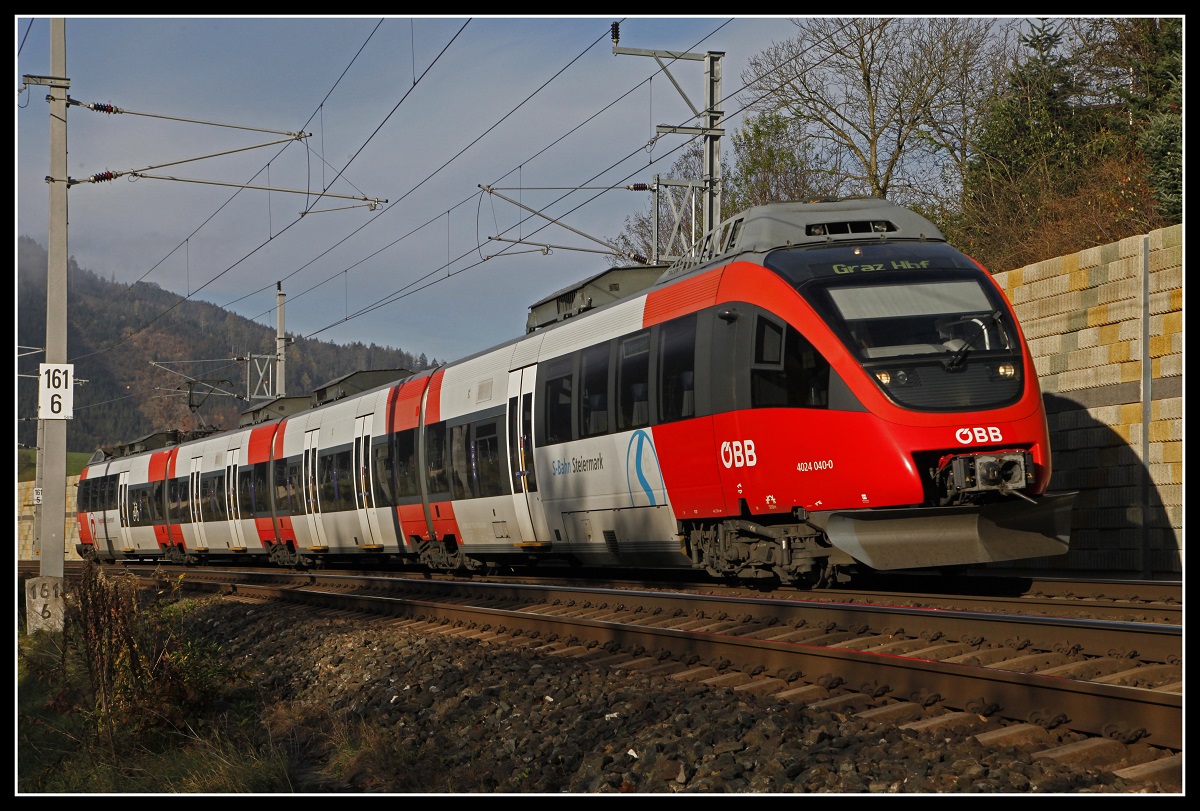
(953, 465)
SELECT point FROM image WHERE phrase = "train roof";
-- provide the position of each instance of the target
(754, 231)
(764, 228)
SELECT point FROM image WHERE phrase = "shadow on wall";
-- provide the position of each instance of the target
(1120, 525)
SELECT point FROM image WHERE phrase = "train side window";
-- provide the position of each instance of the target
(407, 482)
(558, 396)
(461, 473)
(134, 510)
(287, 486)
(157, 500)
(212, 489)
(487, 458)
(677, 369)
(633, 376)
(110, 492)
(335, 479)
(383, 457)
(435, 459)
(261, 489)
(768, 380)
(807, 372)
(245, 491)
(593, 383)
(179, 508)
(185, 499)
(788, 372)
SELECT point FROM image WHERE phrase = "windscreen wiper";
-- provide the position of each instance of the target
(959, 356)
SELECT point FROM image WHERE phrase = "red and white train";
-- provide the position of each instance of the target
(831, 386)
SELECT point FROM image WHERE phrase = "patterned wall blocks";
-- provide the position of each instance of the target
(25, 515)
(1096, 321)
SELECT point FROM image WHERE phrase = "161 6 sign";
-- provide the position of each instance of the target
(56, 385)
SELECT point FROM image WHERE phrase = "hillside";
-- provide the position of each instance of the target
(125, 396)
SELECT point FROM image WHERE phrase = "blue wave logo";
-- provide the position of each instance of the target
(643, 476)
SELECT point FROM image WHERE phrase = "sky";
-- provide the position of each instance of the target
(406, 118)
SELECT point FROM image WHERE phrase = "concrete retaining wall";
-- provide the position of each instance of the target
(1105, 327)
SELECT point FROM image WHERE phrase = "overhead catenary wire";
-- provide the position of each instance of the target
(408, 289)
(425, 281)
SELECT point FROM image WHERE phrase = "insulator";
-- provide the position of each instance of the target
(616, 33)
(105, 108)
(638, 187)
(102, 177)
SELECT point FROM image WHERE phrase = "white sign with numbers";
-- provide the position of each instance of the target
(56, 387)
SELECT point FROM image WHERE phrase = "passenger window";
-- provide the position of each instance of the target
(633, 375)
(487, 459)
(407, 483)
(383, 455)
(677, 369)
(593, 400)
(435, 458)
(461, 478)
(557, 398)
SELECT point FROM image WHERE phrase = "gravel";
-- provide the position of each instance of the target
(370, 707)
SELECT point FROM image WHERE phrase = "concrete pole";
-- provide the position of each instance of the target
(280, 341)
(54, 432)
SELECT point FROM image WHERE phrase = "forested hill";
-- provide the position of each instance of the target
(112, 348)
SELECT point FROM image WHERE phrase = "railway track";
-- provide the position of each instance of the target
(1025, 671)
(1101, 692)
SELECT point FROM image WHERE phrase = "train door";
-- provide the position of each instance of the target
(125, 542)
(196, 501)
(312, 506)
(364, 502)
(233, 502)
(527, 501)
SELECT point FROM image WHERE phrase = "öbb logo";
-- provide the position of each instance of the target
(738, 453)
(979, 433)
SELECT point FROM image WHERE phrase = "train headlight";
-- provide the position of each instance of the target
(1004, 371)
(898, 378)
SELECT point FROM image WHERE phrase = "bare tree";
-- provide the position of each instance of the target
(885, 105)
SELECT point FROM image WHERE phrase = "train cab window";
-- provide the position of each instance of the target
(593, 383)
(558, 397)
(633, 377)
(677, 369)
(788, 372)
